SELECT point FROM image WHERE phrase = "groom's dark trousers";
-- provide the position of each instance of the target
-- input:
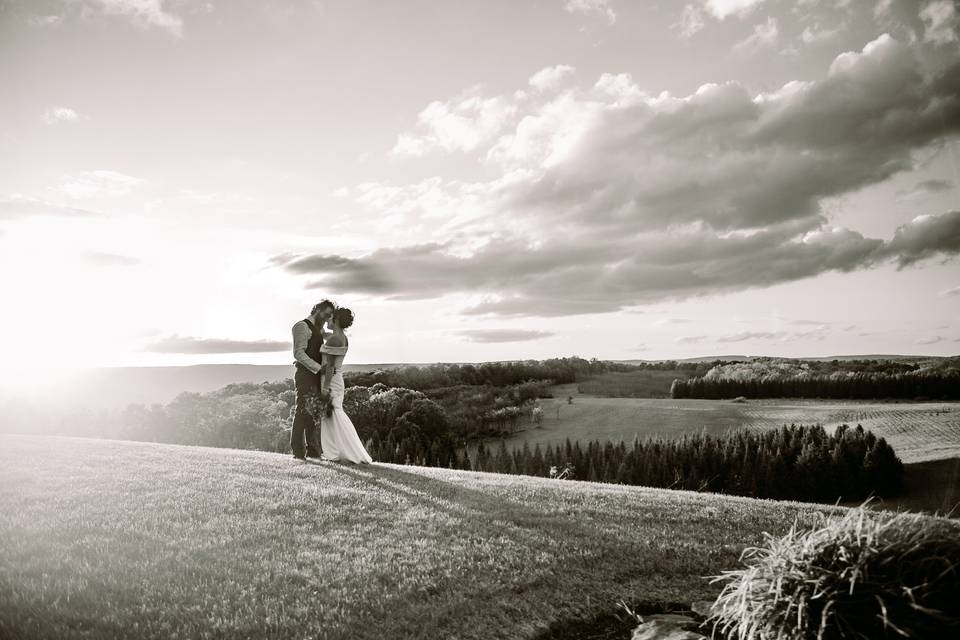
(304, 426)
(306, 382)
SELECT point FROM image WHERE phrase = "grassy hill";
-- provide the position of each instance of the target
(113, 539)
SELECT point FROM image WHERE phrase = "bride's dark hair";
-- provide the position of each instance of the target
(344, 317)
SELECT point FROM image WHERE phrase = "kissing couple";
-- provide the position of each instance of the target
(319, 347)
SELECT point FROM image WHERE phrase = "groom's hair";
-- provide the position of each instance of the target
(321, 305)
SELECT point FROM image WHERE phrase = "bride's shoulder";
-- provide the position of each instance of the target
(336, 340)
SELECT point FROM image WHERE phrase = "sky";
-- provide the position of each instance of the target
(180, 181)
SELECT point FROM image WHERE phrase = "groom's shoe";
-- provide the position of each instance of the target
(313, 453)
(299, 456)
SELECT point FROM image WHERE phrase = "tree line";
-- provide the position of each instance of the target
(795, 462)
(860, 385)
(493, 374)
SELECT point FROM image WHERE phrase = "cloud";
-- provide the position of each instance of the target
(177, 344)
(17, 206)
(724, 8)
(930, 340)
(459, 124)
(56, 115)
(143, 13)
(503, 335)
(550, 77)
(923, 188)
(610, 197)
(44, 21)
(923, 237)
(816, 34)
(940, 22)
(954, 291)
(818, 333)
(599, 7)
(111, 259)
(691, 21)
(88, 184)
(764, 35)
(775, 336)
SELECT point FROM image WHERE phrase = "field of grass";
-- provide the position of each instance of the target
(111, 539)
(641, 383)
(918, 431)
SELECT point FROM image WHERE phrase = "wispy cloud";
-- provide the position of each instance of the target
(56, 115)
(602, 8)
(44, 20)
(924, 188)
(690, 22)
(724, 8)
(143, 13)
(775, 336)
(460, 124)
(816, 34)
(954, 291)
(940, 22)
(111, 259)
(503, 335)
(89, 184)
(550, 77)
(764, 35)
(18, 206)
(190, 345)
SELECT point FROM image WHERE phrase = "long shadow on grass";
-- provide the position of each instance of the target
(595, 549)
(459, 500)
(490, 512)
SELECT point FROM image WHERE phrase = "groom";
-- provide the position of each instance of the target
(307, 340)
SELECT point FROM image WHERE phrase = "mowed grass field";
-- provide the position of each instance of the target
(918, 431)
(112, 539)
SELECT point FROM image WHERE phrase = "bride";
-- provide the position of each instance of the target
(338, 436)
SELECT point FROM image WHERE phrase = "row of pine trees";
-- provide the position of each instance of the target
(795, 462)
(939, 385)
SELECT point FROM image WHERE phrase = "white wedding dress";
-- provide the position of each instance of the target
(338, 437)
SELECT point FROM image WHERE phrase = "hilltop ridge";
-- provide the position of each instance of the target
(298, 549)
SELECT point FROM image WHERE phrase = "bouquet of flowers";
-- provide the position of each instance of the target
(320, 403)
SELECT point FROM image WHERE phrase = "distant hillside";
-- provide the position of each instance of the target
(116, 387)
(869, 356)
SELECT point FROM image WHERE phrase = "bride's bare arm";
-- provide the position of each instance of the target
(336, 342)
(327, 371)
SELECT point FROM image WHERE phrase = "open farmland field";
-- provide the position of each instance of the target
(642, 383)
(918, 431)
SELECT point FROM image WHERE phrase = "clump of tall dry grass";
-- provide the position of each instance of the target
(863, 575)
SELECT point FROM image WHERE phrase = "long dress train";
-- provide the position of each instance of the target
(338, 436)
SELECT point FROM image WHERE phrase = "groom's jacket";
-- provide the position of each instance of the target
(307, 340)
